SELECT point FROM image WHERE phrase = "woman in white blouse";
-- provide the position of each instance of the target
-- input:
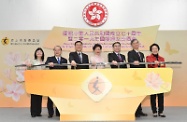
(36, 100)
(97, 58)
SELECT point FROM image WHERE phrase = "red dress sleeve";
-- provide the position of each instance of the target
(150, 59)
(161, 59)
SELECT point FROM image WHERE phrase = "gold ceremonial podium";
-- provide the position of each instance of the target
(98, 94)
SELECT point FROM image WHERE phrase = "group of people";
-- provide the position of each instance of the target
(78, 57)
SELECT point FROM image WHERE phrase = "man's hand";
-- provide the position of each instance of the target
(114, 62)
(73, 63)
(136, 62)
(51, 64)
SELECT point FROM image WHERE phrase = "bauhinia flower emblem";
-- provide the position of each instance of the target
(95, 14)
(154, 81)
(14, 90)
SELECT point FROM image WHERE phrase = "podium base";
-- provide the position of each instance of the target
(73, 91)
(97, 117)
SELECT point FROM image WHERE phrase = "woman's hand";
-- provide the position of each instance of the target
(29, 64)
(93, 63)
(157, 62)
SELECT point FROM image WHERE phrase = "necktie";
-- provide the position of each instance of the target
(139, 56)
(119, 57)
(80, 57)
(58, 59)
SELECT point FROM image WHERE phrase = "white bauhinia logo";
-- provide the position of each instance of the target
(95, 13)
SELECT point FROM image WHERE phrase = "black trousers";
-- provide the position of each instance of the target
(36, 104)
(139, 109)
(50, 108)
(160, 103)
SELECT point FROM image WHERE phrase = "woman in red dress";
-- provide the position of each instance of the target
(156, 58)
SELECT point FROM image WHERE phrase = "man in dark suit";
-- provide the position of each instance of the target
(51, 61)
(115, 57)
(135, 57)
(78, 57)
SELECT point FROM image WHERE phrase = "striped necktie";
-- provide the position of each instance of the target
(80, 57)
(139, 56)
(119, 57)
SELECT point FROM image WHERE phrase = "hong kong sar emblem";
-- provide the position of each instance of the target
(95, 14)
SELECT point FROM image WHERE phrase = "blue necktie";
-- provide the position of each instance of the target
(58, 59)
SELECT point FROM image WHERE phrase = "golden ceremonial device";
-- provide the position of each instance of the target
(98, 64)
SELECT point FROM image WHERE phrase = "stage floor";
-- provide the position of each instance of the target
(174, 114)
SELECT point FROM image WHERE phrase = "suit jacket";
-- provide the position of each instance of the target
(152, 58)
(133, 56)
(114, 57)
(54, 60)
(74, 56)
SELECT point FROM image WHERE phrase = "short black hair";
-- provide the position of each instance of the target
(116, 43)
(78, 42)
(97, 45)
(134, 41)
(154, 44)
(35, 56)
